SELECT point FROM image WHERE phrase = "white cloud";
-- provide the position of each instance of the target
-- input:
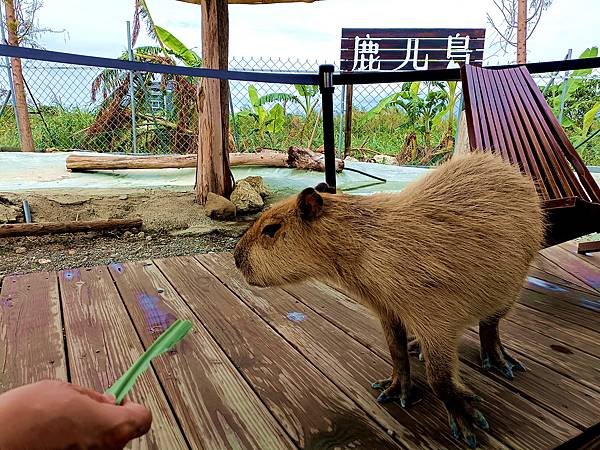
(307, 30)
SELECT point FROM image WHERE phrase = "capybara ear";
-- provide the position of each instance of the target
(322, 187)
(310, 204)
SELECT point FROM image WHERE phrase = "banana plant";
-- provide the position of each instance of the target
(266, 121)
(554, 93)
(421, 112)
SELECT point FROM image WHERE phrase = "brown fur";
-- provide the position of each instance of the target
(449, 251)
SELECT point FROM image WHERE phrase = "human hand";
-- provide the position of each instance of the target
(52, 415)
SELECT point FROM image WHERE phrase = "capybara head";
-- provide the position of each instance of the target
(281, 246)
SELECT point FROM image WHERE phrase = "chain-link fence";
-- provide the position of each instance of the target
(77, 107)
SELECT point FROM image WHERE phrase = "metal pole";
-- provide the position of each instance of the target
(563, 95)
(10, 77)
(341, 124)
(327, 89)
(131, 93)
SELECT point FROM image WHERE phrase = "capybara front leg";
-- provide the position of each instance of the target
(493, 355)
(441, 362)
(399, 385)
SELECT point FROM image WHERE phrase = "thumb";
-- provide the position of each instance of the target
(138, 416)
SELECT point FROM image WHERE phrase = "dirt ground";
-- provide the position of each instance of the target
(173, 225)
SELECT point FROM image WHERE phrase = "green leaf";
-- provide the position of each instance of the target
(174, 45)
(589, 118)
(384, 103)
(165, 342)
(591, 52)
(278, 97)
(277, 119)
(307, 90)
(414, 88)
(253, 96)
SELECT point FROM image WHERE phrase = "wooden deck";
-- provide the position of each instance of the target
(291, 368)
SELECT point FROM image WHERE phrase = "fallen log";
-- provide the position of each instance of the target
(296, 157)
(36, 229)
(302, 158)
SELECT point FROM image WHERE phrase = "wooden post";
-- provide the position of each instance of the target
(348, 115)
(213, 173)
(18, 87)
(522, 32)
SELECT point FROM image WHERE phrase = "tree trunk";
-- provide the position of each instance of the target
(522, 32)
(213, 173)
(18, 81)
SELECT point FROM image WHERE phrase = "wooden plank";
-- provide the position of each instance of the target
(564, 397)
(537, 276)
(496, 128)
(507, 143)
(538, 152)
(542, 263)
(313, 411)
(348, 364)
(32, 346)
(543, 385)
(521, 143)
(570, 305)
(569, 334)
(592, 258)
(584, 175)
(216, 408)
(575, 265)
(568, 360)
(102, 345)
(549, 146)
(471, 111)
(526, 426)
(588, 247)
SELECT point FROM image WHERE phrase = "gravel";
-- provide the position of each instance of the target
(66, 251)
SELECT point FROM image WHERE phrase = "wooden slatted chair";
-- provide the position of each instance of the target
(507, 113)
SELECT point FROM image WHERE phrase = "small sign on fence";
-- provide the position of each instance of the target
(396, 49)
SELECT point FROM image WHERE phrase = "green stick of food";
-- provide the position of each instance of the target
(165, 342)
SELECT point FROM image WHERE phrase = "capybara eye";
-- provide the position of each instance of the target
(270, 230)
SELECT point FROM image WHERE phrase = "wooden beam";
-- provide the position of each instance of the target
(348, 116)
(34, 229)
(588, 247)
(213, 173)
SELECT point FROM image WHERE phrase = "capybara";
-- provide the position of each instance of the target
(449, 251)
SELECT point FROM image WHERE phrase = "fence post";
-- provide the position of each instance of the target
(326, 87)
(563, 95)
(236, 138)
(340, 146)
(131, 92)
(10, 79)
(348, 117)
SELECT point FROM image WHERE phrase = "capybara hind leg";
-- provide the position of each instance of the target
(493, 355)
(399, 385)
(414, 347)
(441, 362)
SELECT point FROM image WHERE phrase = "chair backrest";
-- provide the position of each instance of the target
(507, 113)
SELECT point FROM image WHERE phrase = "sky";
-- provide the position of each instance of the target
(307, 31)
